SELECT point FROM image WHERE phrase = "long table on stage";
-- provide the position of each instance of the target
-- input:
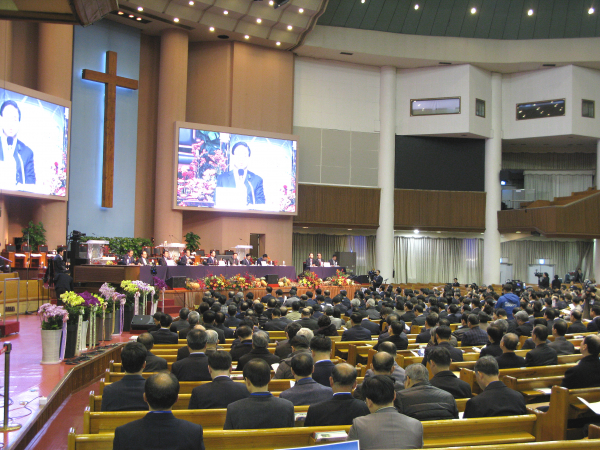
(195, 272)
(326, 272)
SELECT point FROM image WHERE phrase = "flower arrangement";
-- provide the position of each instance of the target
(132, 288)
(309, 279)
(216, 282)
(74, 304)
(340, 279)
(52, 316)
(285, 281)
(92, 302)
(239, 282)
(195, 284)
(108, 293)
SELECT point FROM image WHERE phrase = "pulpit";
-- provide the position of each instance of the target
(9, 253)
(95, 252)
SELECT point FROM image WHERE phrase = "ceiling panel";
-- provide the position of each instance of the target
(403, 8)
(456, 17)
(543, 19)
(588, 24)
(385, 17)
(486, 16)
(559, 19)
(516, 11)
(442, 18)
(574, 13)
(470, 21)
(372, 14)
(342, 12)
(527, 27)
(428, 17)
(413, 17)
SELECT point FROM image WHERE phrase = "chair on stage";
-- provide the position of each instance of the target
(9, 253)
(22, 257)
(229, 252)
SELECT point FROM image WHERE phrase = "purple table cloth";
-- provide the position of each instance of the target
(195, 272)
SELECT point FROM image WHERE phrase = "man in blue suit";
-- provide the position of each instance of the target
(241, 176)
(14, 154)
(305, 391)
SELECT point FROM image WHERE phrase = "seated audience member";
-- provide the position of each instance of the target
(586, 373)
(443, 378)
(164, 335)
(212, 342)
(475, 336)
(306, 321)
(422, 401)
(222, 390)
(159, 429)
(195, 366)
(550, 316)
(371, 310)
(283, 349)
(209, 318)
(220, 324)
(560, 343)
(277, 323)
(594, 325)
(300, 344)
(496, 399)
(343, 408)
(398, 373)
(509, 359)
(231, 320)
(373, 327)
(524, 327)
(464, 327)
(320, 348)
(326, 328)
(184, 352)
(542, 354)
(260, 344)
(153, 363)
(396, 335)
(244, 346)
(430, 322)
(442, 337)
(193, 319)
(261, 409)
(306, 391)
(127, 394)
(357, 332)
(383, 364)
(295, 313)
(576, 325)
(494, 333)
(529, 344)
(182, 323)
(384, 428)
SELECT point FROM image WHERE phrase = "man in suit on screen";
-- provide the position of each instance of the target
(240, 177)
(16, 159)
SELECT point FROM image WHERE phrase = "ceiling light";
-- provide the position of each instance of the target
(259, 20)
(362, 1)
(300, 10)
(120, 13)
(246, 37)
(139, 18)
(211, 29)
(277, 43)
(302, 227)
(518, 232)
(176, 19)
(140, 9)
(271, 3)
(417, 6)
(349, 229)
(225, 12)
(191, 3)
(473, 10)
(530, 12)
(416, 231)
(279, 3)
(131, 16)
(290, 27)
(591, 10)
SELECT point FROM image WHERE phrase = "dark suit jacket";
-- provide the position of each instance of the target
(447, 381)
(127, 260)
(495, 400)
(356, 333)
(307, 391)
(524, 330)
(491, 350)
(218, 394)
(594, 325)
(456, 355)
(180, 325)
(162, 261)
(333, 263)
(183, 261)
(241, 349)
(475, 336)
(232, 321)
(276, 325)
(24, 158)
(309, 262)
(254, 186)
(259, 411)
(164, 336)
(423, 337)
(311, 324)
(371, 326)
(219, 331)
(126, 394)
(155, 363)
(425, 402)
(400, 340)
(562, 346)
(257, 353)
(283, 349)
(192, 368)
(158, 431)
(244, 262)
(585, 374)
(322, 372)
(542, 355)
(211, 261)
(142, 261)
(342, 409)
(510, 361)
(577, 327)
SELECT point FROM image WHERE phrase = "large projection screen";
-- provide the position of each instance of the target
(234, 170)
(34, 143)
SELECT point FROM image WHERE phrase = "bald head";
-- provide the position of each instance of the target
(161, 391)
(343, 376)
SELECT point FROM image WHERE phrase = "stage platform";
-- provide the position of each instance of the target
(29, 380)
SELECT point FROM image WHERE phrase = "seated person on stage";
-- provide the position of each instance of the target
(496, 399)
(443, 378)
(261, 409)
(181, 322)
(195, 366)
(186, 259)
(396, 336)
(320, 348)
(164, 335)
(128, 259)
(383, 364)
(153, 363)
(542, 354)
(166, 260)
(586, 373)
(560, 343)
(310, 262)
(212, 259)
(509, 359)
(300, 344)
(260, 350)
(222, 390)
(422, 401)
(441, 338)
(493, 347)
(319, 260)
(384, 428)
(159, 429)
(143, 259)
(127, 394)
(235, 260)
(247, 261)
(333, 262)
(264, 259)
(343, 408)
(388, 347)
(357, 332)
(306, 391)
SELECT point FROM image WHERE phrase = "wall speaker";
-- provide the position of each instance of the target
(272, 279)
(142, 322)
(176, 282)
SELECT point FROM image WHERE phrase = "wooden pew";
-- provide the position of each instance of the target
(465, 432)
(582, 444)
(528, 386)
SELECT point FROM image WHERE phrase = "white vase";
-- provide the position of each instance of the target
(82, 342)
(51, 346)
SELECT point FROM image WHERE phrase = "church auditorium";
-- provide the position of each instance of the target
(278, 224)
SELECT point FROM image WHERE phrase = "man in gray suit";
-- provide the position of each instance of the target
(384, 428)
(306, 391)
(560, 344)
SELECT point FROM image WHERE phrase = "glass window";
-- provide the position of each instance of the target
(541, 109)
(479, 107)
(588, 108)
(435, 106)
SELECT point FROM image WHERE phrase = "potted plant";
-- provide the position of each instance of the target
(73, 303)
(34, 235)
(93, 309)
(192, 241)
(53, 319)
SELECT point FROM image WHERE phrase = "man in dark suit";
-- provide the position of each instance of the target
(244, 346)
(396, 336)
(541, 355)
(209, 318)
(560, 344)
(496, 399)
(212, 259)
(235, 260)
(306, 321)
(265, 259)
(443, 378)
(277, 323)
(586, 373)
(509, 359)
(153, 363)
(181, 323)
(261, 409)
(283, 348)
(128, 259)
(524, 327)
(195, 366)
(357, 332)
(143, 259)
(11, 147)
(320, 348)
(193, 319)
(377, 280)
(576, 325)
(366, 323)
(442, 339)
(222, 390)
(127, 394)
(159, 428)
(240, 176)
(475, 336)
(186, 259)
(409, 314)
(333, 262)
(164, 335)
(343, 408)
(260, 343)
(231, 320)
(319, 260)
(306, 391)
(166, 257)
(246, 261)
(431, 321)
(310, 262)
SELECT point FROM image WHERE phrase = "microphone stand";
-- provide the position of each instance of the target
(27, 313)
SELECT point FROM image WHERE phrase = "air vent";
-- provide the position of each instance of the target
(445, 63)
(549, 65)
(346, 53)
(223, 36)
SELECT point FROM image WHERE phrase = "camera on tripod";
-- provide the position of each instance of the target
(538, 274)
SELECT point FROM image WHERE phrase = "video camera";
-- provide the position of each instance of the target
(372, 274)
(538, 274)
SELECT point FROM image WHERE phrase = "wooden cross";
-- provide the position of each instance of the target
(111, 80)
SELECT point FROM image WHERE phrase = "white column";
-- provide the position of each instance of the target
(596, 273)
(384, 246)
(493, 164)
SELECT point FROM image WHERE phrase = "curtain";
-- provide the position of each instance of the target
(566, 256)
(437, 260)
(327, 245)
(549, 161)
(550, 185)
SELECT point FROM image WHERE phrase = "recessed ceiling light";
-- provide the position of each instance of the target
(473, 10)
(225, 12)
(302, 227)
(277, 43)
(362, 1)
(300, 10)
(139, 18)
(271, 3)
(289, 27)
(176, 19)
(131, 16)
(120, 13)
(416, 231)
(246, 37)
(417, 6)
(259, 20)
(530, 12)
(191, 3)
(518, 232)
(211, 29)
(140, 9)
(591, 10)
(349, 229)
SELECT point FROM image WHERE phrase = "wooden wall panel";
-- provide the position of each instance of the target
(337, 206)
(439, 210)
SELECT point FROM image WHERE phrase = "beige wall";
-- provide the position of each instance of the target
(25, 53)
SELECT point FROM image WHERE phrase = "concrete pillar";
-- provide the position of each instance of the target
(384, 245)
(5, 74)
(595, 274)
(172, 90)
(493, 164)
(55, 58)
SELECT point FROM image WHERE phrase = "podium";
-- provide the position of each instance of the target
(9, 254)
(95, 252)
(173, 248)
(242, 249)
